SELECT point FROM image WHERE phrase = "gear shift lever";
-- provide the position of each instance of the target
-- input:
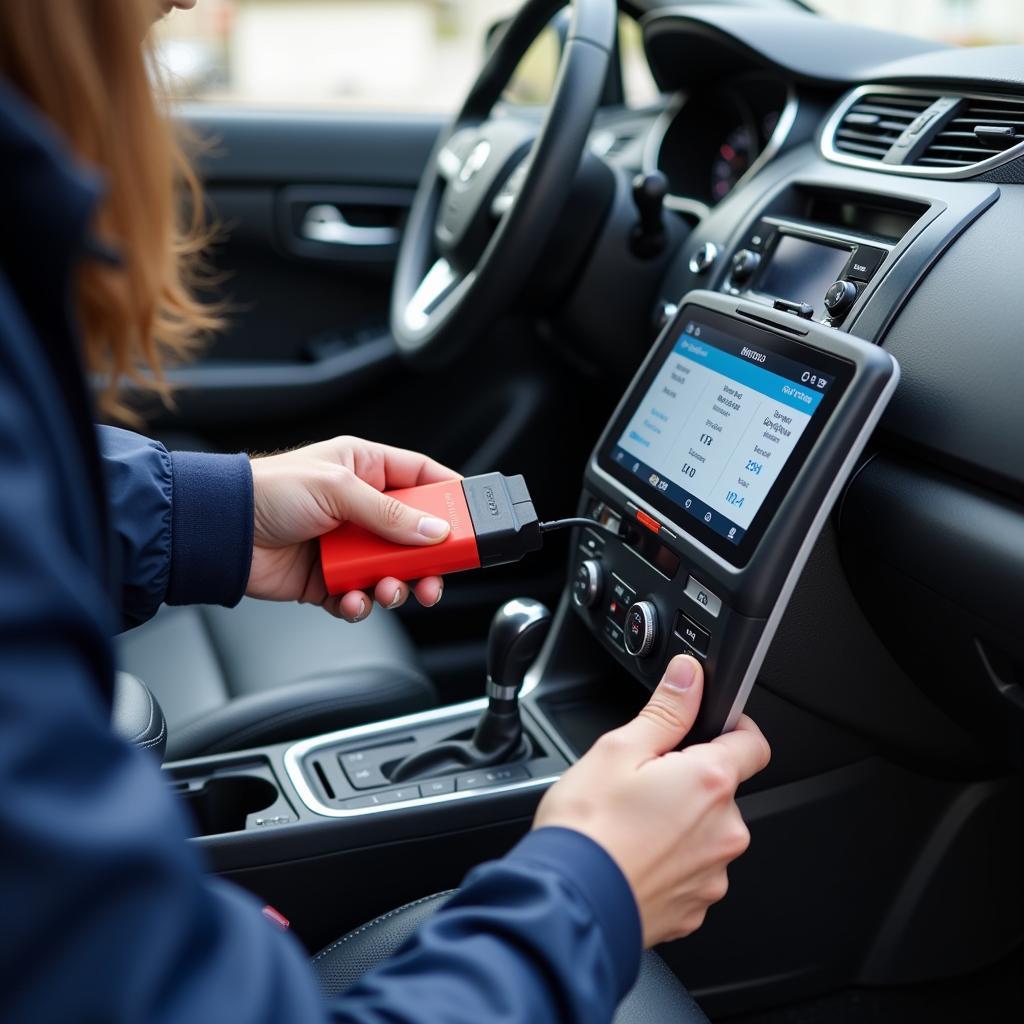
(513, 643)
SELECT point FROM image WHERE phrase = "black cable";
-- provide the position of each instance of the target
(563, 524)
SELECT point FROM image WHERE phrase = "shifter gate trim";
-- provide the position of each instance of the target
(297, 752)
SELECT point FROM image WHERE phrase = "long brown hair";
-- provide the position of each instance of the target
(87, 66)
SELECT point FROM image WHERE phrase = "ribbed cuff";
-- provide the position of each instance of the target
(211, 528)
(587, 867)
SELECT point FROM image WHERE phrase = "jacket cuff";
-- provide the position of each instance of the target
(587, 867)
(211, 528)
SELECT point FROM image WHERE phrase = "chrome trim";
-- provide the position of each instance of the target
(437, 281)
(815, 232)
(747, 683)
(294, 755)
(326, 223)
(656, 138)
(828, 133)
(501, 692)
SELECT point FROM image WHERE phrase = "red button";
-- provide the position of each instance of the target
(652, 524)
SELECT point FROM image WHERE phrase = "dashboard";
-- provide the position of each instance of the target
(873, 182)
(710, 139)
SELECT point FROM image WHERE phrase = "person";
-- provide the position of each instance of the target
(110, 912)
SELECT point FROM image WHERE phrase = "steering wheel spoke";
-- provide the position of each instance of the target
(438, 283)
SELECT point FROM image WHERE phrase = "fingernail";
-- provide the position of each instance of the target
(432, 528)
(440, 594)
(396, 600)
(680, 673)
(361, 614)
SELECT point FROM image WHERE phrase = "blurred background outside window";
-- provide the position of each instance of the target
(422, 55)
(407, 55)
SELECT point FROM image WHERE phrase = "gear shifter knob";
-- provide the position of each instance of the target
(517, 632)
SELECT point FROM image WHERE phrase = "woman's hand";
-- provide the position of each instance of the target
(667, 817)
(302, 494)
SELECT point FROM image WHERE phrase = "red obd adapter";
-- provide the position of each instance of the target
(492, 522)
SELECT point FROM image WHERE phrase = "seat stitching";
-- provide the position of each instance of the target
(380, 920)
(155, 739)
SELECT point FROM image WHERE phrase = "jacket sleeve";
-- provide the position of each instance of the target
(549, 934)
(183, 524)
(108, 912)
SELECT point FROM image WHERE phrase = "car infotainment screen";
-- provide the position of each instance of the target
(802, 270)
(721, 422)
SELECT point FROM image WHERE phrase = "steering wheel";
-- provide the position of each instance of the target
(494, 187)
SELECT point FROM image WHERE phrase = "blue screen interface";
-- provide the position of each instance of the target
(717, 425)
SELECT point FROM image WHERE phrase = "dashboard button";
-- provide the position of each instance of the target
(613, 633)
(437, 787)
(641, 628)
(865, 261)
(486, 777)
(744, 263)
(758, 238)
(704, 258)
(840, 298)
(699, 594)
(588, 583)
(688, 630)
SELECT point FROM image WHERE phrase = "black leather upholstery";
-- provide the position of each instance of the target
(656, 998)
(265, 672)
(136, 715)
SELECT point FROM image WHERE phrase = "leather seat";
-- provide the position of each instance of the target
(656, 998)
(230, 678)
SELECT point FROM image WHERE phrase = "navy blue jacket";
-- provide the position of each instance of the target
(108, 911)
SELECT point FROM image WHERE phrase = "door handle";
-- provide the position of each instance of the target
(325, 223)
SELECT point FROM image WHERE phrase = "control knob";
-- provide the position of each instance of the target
(744, 263)
(588, 583)
(839, 298)
(641, 630)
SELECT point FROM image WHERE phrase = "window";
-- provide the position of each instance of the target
(410, 55)
(375, 55)
(964, 22)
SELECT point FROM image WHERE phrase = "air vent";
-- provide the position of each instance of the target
(875, 120)
(980, 130)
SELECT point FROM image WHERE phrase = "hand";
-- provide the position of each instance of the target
(302, 494)
(668, 818)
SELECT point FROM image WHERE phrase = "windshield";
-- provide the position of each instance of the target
(964, 22)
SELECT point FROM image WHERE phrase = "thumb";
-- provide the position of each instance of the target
(388, 517)
(670, 713)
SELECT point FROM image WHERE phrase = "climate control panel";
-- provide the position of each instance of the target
(639, 596)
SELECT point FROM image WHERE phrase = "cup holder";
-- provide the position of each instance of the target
(222, 803)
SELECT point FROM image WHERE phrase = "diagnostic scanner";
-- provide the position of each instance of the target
(492, 521)
(720, 467)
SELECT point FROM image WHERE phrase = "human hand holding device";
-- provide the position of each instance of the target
(302, 494)
(667, 817)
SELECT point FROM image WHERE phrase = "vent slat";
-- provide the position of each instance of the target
(976, 152)
(957, 145)
(874, 122)
(862, 149)
(859, 136)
